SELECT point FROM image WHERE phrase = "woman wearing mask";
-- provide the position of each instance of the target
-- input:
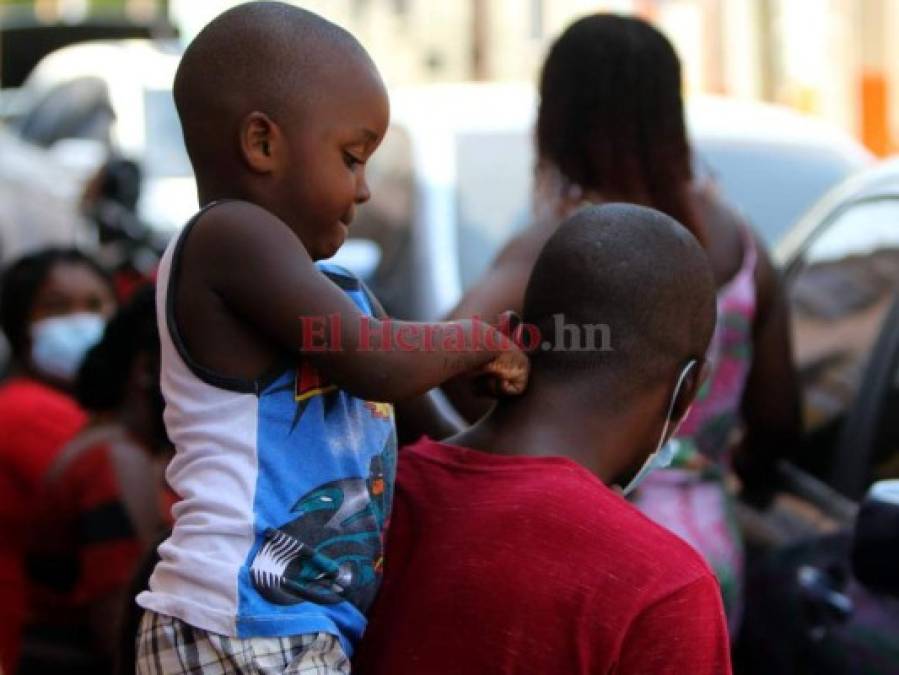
(610, 127)
(110, 477)
(53, 307)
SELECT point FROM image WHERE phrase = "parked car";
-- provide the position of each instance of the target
(824, 586)
(841, 263)
(451, 182)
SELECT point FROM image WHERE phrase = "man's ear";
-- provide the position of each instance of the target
(260, 141)
(692, 383)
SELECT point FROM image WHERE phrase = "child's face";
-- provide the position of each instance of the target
(327, 148)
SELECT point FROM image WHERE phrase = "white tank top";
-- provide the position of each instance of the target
(285, 484)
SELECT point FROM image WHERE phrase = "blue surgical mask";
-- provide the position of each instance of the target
(60, 343)
(665, 452)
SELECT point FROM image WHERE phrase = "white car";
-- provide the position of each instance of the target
(117, 93)
(451, 182)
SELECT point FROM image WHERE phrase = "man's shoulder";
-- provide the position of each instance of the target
(658, 553)
(648, 551)
(600, 528)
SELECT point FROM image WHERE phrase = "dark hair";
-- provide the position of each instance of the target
(634, 271)
(611, 115)
(104, 374)
(21, 282)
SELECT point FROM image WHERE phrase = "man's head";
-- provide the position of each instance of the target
(282, 108)
(624, 299)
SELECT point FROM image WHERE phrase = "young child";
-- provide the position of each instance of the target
(284, 469)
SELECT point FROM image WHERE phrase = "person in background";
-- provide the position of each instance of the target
(508, 552)
(610, 127)
(53, 306)
(104, 502)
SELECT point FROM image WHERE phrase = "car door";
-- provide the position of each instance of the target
(842, 288)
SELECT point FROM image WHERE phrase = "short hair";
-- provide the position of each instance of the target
(634, 270)
(256, 56)
(103, 376)
(611, 115)
(21, 282)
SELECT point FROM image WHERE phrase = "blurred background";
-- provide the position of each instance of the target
(832, 58)
(792, 113)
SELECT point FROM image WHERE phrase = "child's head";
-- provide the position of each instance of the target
(642, 286)
(282, 108)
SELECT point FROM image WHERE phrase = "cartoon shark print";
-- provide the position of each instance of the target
(332, 550)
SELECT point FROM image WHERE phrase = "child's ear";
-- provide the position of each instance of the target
(259, 140)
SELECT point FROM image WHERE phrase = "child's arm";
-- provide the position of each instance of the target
(263, 274)
(421, 415)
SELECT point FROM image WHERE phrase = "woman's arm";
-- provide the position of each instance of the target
(771, 403)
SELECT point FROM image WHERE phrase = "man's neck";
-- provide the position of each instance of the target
(600, 440)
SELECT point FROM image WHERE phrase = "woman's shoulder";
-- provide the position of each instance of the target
(730, 239)
(734, 248)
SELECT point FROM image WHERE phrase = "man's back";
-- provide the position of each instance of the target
(501, 564)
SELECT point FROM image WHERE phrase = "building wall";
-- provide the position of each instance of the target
(833, 58)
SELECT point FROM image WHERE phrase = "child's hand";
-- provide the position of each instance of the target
(506, 375)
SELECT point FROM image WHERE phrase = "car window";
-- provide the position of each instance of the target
(840, 292)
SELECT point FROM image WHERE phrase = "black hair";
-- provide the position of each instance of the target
(103, 377)
(21, 282)
(611, 115)
(633, 270)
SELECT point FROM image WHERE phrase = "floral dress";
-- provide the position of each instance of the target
(690, 498)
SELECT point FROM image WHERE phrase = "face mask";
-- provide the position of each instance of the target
(664, 452)
(59, 343)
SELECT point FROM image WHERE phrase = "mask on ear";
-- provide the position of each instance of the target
(60, 343)
(664, 452)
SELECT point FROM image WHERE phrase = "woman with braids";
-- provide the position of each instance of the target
(53, 306)
(611, 128)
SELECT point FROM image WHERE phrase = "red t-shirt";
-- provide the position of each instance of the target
(35, 422)
(88, 542)
(502, 564)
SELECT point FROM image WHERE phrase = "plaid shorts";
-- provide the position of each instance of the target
(168, 646)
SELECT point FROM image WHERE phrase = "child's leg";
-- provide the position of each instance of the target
(168, 646)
